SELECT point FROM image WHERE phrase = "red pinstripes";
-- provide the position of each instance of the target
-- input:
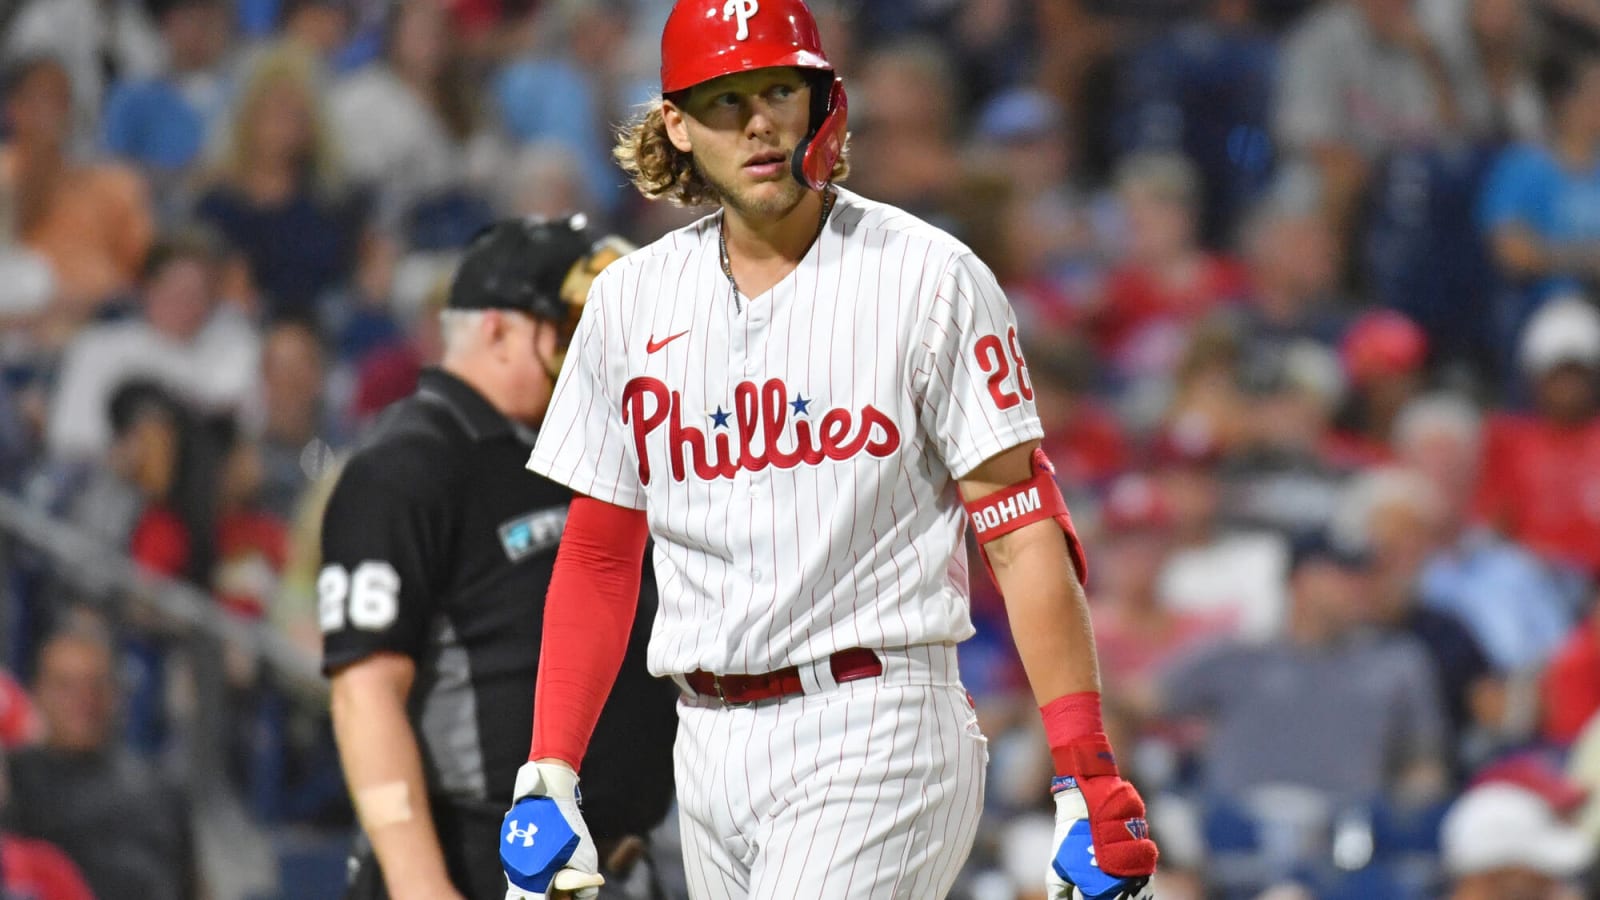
(873, 816)
(892, 816)
(920, 786)
(883, 517)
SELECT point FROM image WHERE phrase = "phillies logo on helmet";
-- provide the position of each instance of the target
(744, 10)
(756, 437)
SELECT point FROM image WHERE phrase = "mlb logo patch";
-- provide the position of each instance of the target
(532, 532)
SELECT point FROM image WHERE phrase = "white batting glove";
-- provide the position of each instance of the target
(1074, 872)
(544, 843)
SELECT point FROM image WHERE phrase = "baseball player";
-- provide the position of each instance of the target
(437, 547)
(803, 398)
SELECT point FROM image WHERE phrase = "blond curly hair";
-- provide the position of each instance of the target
(661, 171)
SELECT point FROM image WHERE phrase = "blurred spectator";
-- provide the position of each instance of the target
(1294, 265)
(90, 222)
(1083, 439)
(1488, 47)
(992, 44)
(1327, 706)
(1399, 516)
(108, 809)
(252, 541)
(1165, 282)
(123, 499)
(98, 41)
(1206, 402)
(1541, 204)
(1078, 46)
(569, 89)
(184, 337)
(407, 124)
(163, 123)
(320, 25)
(1518, 608)
(294, 413)
(277, 195)
(321, 28)
(902, 108)
(1204, 88)
(1359, 78)
(1540, 483)
(1136, 631)
(1026, 130)
(1285, 478)
(1570, 688)
(19, 721)
(1583, 769)
(390, 373)
(1570, 24)
(1504, 842)
(1215, 570)
(1383, 355)
(34, 870)
(1044, 249)
(545, 179)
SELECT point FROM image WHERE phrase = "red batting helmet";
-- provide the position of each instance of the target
(706, 39)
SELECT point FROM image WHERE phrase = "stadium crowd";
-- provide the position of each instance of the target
(1311, 292)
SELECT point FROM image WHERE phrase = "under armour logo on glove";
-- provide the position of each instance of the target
(744, 10)
(531, 866)
(514, 834)
(1075, 864)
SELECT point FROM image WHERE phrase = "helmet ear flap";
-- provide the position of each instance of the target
(813, 161)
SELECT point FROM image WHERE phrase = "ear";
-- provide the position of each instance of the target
(495, 329)
(672, 118)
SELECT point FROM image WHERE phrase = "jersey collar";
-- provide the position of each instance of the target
(477, 416)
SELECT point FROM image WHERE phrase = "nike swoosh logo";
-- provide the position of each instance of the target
(653, 345)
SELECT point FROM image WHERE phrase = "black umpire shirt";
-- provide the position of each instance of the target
(438, 543)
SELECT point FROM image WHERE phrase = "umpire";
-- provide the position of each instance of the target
(437, 548)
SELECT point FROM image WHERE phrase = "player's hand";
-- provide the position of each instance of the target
(1102, 841)
(545, 846)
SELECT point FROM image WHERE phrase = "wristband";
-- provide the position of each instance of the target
(1067, 719)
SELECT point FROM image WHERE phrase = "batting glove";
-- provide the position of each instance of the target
(1102, 841)
(544, 843)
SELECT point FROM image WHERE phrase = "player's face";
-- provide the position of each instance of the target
(742, 130)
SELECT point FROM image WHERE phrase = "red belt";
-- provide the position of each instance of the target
(735, 690)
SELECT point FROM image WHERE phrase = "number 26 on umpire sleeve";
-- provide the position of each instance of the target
(992, 358)
(372, 593)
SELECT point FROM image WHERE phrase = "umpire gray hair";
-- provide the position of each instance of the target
(456, 329)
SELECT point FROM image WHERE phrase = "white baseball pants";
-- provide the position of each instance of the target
(867, 790)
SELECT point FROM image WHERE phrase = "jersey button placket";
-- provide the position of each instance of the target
(756, 315)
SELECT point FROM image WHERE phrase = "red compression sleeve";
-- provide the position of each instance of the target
(588, 616)
(1067, 718)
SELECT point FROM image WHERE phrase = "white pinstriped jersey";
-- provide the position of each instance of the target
(795, 452)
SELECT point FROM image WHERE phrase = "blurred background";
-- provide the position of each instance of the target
(1310, 293)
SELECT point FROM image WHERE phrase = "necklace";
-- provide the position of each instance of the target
(828, 197)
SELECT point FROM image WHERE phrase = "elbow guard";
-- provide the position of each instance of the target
(1035, 500)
